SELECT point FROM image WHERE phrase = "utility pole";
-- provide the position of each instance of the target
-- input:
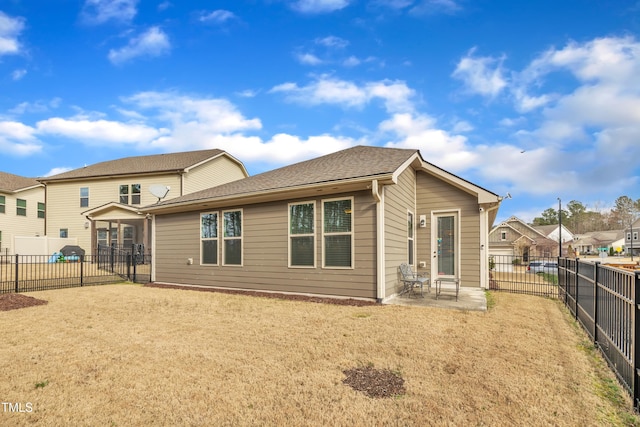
(560, 227)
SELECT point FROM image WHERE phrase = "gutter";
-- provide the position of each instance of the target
(380, 242)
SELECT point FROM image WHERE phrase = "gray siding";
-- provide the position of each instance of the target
(399, 199)
(435, 194)
(265, 253)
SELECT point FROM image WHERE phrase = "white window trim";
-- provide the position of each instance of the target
(503, 236)
(241, 238)
(411, 238)
(635, 235)
(351, 233)
(315, 262)
(86, 197)
(434, 244)
(217, 263)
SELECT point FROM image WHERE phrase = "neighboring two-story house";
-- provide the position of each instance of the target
(22, 209)
(631, 242)
(100, 203)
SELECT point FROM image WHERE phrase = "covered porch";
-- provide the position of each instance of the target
(119, 225)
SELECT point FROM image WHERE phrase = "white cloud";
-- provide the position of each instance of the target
(97, 12)
(219, 16)
(319, 6)
(332, 42)
(308, 59)
(10, 30)
(18, 74)
(432, 7)
(18, 139)
(58, 170)
(327, 90)
(482, 76)
(351, 61)
(98, 131)
(437, 146)
(152, 43)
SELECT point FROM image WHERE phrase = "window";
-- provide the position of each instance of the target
(127, 236)
(232, 238)
(41, 210)
(628, 236)
(64, 233)
(635, 235)
(21, 207)
(338, 233)
(84, 197)
(302, 237)
(503, 235)
(2, 204)
(209, 238)
(410, 230)
(103, 237)
(134, 191)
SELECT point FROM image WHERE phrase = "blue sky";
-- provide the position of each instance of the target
(539, 99)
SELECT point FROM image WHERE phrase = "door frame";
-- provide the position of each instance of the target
(435, 273)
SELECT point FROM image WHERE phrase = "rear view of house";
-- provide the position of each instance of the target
(336, 225)
(22, 210)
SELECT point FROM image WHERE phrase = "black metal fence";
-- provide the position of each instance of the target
(604, 300)
(26, 273)
(531, 276)
(131, 262)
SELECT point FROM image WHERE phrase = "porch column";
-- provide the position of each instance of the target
(94, 237)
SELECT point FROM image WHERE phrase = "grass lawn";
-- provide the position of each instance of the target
(123, 355)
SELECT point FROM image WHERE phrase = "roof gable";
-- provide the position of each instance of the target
(157, 163)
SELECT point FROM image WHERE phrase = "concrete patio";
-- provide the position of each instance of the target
(473, 299)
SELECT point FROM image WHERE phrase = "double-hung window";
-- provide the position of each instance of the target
(209, 238)
(133, 191)
(410, 239)
(232, 237)
(337, 228)
(84, 197)
(302, 237)
(21, 207)
(2, 204)
(41, 210)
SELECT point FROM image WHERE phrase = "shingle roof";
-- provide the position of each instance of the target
(138, 165)
(10, 183)
(352, 163)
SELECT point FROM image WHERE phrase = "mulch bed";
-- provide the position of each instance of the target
(324, 300)
(376, 383)
(16, 301)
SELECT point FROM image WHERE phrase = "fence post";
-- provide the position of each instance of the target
(636, 340)
(596, 278)
(81, 270)
(129, 258)
(17, 270)
(576, 276)
(112, 253)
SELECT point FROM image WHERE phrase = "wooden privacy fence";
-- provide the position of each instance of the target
(604, 300)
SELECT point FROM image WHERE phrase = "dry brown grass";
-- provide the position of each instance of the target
(130, 355)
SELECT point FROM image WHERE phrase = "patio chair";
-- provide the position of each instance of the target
(412, 281)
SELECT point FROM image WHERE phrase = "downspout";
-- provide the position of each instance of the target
(380, 243)
(154, 256)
